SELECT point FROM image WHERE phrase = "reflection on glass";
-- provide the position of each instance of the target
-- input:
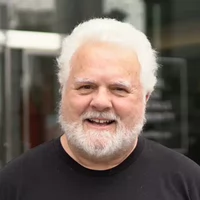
(42, 101)
(167, 109)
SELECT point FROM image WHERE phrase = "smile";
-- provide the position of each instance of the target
(100, 122)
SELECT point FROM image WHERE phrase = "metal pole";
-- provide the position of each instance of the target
(25, 97)
(2, 106)
(8, 89)
(8, 104)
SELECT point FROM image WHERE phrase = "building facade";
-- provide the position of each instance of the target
(30, 36)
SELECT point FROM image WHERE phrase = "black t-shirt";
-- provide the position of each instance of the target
(151, 172)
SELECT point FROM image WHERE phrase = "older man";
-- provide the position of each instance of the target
(107, 71)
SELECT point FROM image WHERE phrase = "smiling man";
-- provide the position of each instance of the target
(100, 100)
(107, 71)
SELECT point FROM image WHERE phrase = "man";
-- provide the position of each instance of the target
(107, 71)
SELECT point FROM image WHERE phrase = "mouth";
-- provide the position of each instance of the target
(100, 122)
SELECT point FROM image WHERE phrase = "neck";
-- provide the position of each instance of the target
(91, 164)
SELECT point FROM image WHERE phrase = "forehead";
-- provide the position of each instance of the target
(106, 59)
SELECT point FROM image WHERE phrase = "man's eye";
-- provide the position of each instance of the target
(86, 87)
(120, 91)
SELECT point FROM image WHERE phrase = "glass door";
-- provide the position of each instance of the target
(39, 99)
(28, 91)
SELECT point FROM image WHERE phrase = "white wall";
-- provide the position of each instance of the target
(43, 5)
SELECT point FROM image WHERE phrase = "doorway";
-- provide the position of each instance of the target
(28, 106)
(40, 99)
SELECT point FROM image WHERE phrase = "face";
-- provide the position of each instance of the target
(103, 103)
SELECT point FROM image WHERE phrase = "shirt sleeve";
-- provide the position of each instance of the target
(7, 191)
(9, 182)
(194, 183)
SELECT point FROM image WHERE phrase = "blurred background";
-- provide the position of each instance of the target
(31, 32)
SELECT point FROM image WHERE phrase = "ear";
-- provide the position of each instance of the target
(147, 96)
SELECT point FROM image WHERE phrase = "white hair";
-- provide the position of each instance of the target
(111, 31)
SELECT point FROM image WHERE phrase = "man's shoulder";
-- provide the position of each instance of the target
(174, 169)
(170, 159)
(23, 170)
(27, 161)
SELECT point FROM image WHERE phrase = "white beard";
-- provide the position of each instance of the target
(101, 145)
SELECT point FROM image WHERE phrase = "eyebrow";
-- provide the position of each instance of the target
(125, 84)
(84, 81)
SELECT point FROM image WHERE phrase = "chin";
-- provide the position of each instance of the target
(99, 145)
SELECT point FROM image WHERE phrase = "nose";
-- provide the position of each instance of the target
(101, 100)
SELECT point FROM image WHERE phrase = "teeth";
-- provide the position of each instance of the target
(101, 121)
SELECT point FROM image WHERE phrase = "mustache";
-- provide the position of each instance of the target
(106, 115)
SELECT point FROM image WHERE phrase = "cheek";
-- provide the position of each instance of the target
(131, 111)
(73, 106)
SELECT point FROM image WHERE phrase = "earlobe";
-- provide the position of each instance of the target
(147, 96)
